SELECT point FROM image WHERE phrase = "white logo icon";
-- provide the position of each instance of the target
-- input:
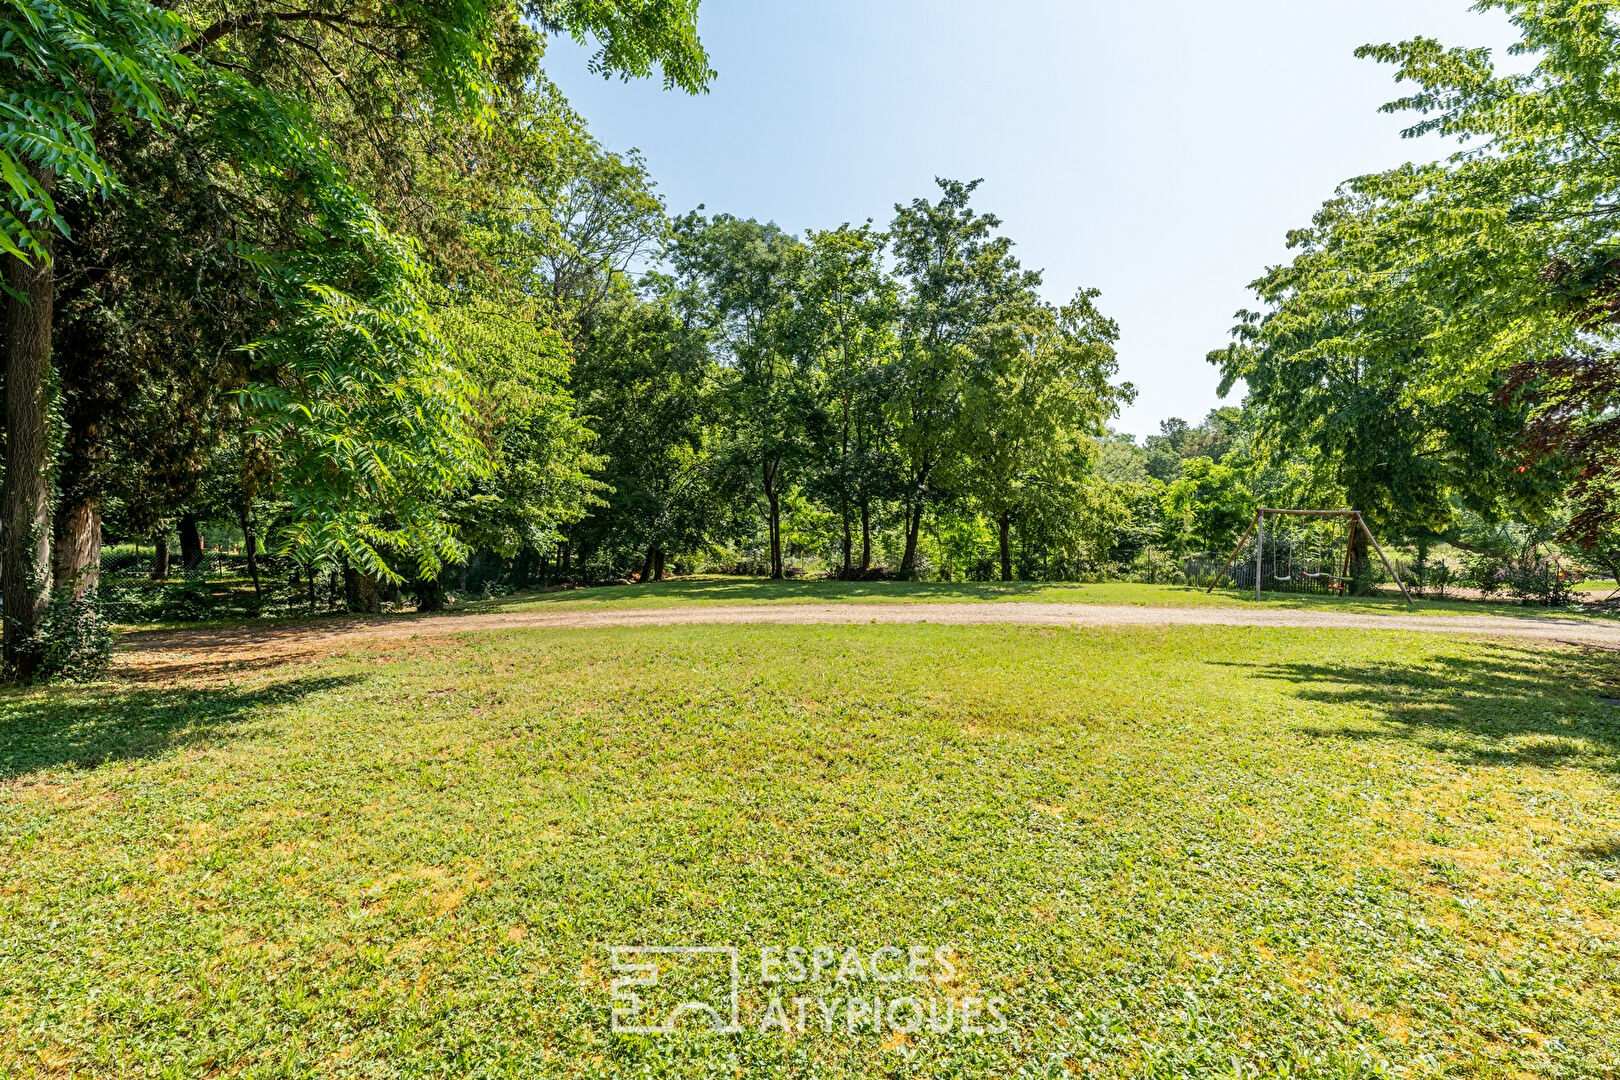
(635, 968)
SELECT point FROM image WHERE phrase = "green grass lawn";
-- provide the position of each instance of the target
(1172, 852)
(716, 590)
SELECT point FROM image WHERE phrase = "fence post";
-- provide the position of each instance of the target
(1259, 550)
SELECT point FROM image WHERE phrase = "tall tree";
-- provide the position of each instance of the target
(67, 67)
(1338, 369)
(1455, 281)
(962, 285)
(852, 304)
(648, 387)
(1031, 413)
(741, 281)
(380, 80)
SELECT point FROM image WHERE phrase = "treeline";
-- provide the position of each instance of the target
(308, 268)
(356, 285)
(1441, 351)
(846, 398)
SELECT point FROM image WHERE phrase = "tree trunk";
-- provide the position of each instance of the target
(908, 561)
(866, 535)
(769, 471)
(1357, 563)
(360, 592)
(429, 595)
(25, 526)
(843, 454)
(160, 557)
(647, 564)
(1003, 522)
(250, 541)
(76, 554)
(658, 565)
(191, 544)
(843, 512)
(775, 522)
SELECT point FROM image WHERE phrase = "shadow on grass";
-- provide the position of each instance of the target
(1499, 705)
(746, 590)
(1600, 851)
(89, 728)
(757, 590)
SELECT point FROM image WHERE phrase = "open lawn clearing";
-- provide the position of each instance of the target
(1172, 851)
(732, 591)
(155, 655)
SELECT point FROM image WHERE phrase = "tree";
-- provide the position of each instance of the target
(543, 456)
(741, 280)
(66, 66)
(964, 290)
(1031, 414)
(374, 78)
(1478, 284)
(647, 385)
(1336, 371)
(852, 302)
(1207, 508)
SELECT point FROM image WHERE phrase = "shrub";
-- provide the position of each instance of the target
(1485, 574)
(1423, 578)
(1440, 577)
(1531, 581)
(74, 642)
(1540, 582)
(1153, 566)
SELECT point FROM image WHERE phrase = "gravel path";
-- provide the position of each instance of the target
(176, 652)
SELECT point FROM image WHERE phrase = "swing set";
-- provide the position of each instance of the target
(1337, 573)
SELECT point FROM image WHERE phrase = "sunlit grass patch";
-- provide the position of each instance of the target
(718, 590)
(1176, 851)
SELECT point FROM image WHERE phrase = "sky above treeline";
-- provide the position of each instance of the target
(1159, 152)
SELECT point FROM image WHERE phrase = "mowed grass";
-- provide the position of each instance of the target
(714, 590)
(1173, 852)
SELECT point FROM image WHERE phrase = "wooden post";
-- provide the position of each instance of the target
(1401, 584)
(1259, 549)
(1232, 558)
(1349, 550)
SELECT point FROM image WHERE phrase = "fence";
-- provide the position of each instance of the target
(1284, 572)
(135, 565)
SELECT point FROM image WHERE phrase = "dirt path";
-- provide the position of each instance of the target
(174, 653)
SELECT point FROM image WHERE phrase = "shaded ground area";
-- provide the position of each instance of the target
(731, 590)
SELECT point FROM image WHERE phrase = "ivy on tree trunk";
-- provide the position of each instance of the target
(25, 527)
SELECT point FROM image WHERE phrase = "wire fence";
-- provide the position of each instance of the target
(209, 565)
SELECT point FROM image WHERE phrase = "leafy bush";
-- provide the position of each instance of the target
(1154, 566)
(74, 642)
(1422, 579)
(1531, 581)
(1485, 574)
(1541, 582)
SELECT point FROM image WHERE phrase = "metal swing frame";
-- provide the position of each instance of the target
(1257, 527)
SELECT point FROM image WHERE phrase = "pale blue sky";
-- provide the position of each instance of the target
(1156, 150)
